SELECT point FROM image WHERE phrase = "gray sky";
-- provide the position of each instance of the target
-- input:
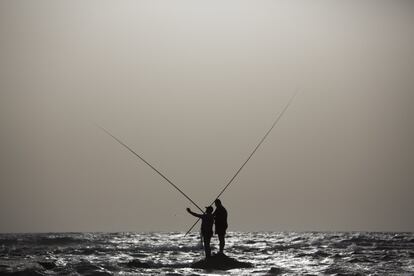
(193, 86)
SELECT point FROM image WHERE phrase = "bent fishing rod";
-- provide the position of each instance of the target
(250, 156)
(151, 166)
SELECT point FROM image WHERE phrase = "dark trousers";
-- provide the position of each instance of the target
(207, 248)
(222, 241)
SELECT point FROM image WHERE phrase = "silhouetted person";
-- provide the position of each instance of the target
(220, 218)
(207, 221)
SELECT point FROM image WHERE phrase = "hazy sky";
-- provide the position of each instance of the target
(193, 86)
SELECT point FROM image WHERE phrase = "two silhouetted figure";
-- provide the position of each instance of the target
(219, 218)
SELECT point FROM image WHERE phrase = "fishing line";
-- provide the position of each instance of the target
(151, 166)
(250, 156)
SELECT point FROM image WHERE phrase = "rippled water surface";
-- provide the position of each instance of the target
(272, 253)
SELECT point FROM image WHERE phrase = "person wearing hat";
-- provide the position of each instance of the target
(207, 221)
(220, 217)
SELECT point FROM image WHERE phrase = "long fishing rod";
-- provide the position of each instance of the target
(250, 156)
(152, 167)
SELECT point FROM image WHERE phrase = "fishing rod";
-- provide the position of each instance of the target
(151, 166)
(250, 156)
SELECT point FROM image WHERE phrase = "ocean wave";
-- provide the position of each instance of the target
(59, 240)
(169, 248)
(342, 270)
(87, 268)
(41, 239)
(24, 272)
(149, 264)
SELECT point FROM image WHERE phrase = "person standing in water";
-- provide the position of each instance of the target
(207, 221)
(220, 218)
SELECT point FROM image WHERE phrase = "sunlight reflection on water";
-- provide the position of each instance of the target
(171, 253)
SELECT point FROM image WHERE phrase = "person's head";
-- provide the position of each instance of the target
(209, 210)
(217, 202)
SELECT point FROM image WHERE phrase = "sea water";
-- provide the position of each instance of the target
(271, 253)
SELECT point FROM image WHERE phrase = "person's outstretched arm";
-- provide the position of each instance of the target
(194, 214)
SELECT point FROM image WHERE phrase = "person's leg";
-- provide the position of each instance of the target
(222, 241)
(207, 247)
